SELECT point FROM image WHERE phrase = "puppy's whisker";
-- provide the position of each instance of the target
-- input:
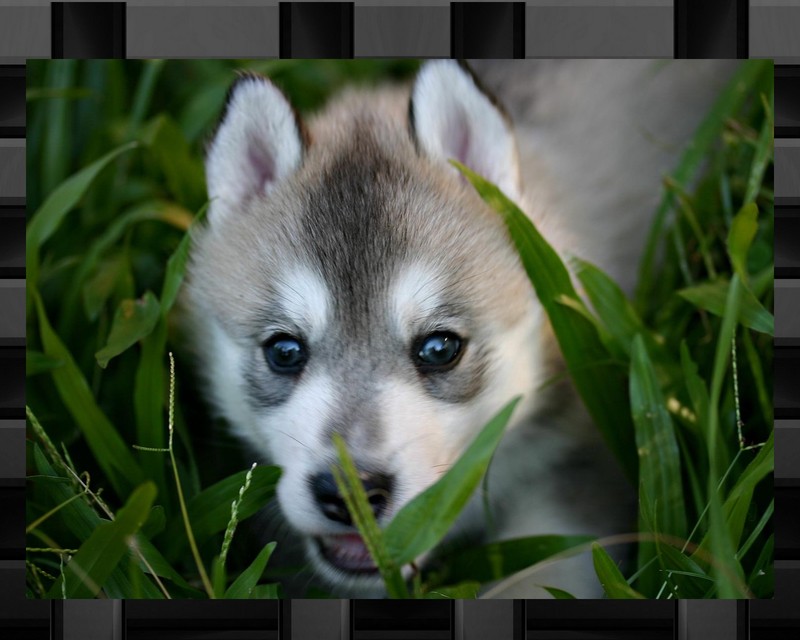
(301, 443)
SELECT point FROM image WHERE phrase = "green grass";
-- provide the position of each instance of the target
(132, 495)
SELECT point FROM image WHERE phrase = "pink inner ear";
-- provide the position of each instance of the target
(457, 141)
(261, 168)
(458, 145)
(462, 143)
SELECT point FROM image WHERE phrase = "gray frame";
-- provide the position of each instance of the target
(25, 32)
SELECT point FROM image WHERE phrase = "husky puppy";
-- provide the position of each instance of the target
(350, 281)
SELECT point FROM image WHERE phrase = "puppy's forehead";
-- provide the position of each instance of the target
(392, 244)
(357, 213)
(304, 299)
(421, 296)
(416, 291)
(350, 238)
(357, 227)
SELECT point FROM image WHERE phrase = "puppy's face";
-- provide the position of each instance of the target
(350, 282)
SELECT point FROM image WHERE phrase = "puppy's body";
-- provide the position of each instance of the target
(352, 244)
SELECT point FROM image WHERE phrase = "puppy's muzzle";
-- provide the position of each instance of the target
(377, 486)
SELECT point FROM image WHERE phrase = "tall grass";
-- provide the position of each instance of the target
(128, 495)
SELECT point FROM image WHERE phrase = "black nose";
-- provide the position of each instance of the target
(377, 486)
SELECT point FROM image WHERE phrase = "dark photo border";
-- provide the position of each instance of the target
(710, 29)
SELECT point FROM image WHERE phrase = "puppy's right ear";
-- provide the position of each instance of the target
(259, 142)
(452, 117)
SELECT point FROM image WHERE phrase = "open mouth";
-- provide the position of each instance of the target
(347, 552)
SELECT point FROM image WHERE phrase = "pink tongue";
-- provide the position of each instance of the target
(349, 552)
(349, 539)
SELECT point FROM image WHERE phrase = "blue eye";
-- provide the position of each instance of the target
(285, 354)
(438, 351)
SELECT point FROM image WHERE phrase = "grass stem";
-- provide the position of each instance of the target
(184, 511)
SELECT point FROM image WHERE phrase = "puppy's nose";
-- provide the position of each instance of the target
(377, 486)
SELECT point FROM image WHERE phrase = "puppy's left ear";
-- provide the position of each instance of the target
(453, 118)
(260, 142)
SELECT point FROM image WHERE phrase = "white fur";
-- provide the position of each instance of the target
(295, 433)
(257, 144)
(454, 119)
(304, 297)
(227, 388)
(415, 294)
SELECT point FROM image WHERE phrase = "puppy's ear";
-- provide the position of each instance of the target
(452, 117)
(259, 142)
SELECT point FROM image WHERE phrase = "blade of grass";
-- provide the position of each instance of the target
(267, 592)
(726, 568)
(81, 520)
(559, 594)
(696, 386)
(45, 517)
(134, 320)
(601, 388)
(58, 204)
(764, 152)
(762, 577)
(55, 156)
(727, 104)
(149, 397)
(184, 513)
(613, 307)
(696, 485)
(425, 520)
(679, 245)
(757, 371)
(176, 265)
(689, 579)
(152, 562)
(156, 522)
(660, 482)
(219, 577)
(758, 469)
(181, 168)
(111, 276)
(498, 560)
(704, 500)
(36, 362)
(234, 519)
(210, 510)
(726, 197)
(712, 297)
(247, 581)
(203, 109)
(190, 471)
(462, 591)
(149, 210)
(144, 94)
(659, 459)
(736, 518)
(611, 578)
(149, 390)
(79, 517)
(148, 558)
(110, 451)
(90, 568)
(141, 103)
(686, 208)
(740, 238)
(358, 505)
(47, 443)
(219, 572)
